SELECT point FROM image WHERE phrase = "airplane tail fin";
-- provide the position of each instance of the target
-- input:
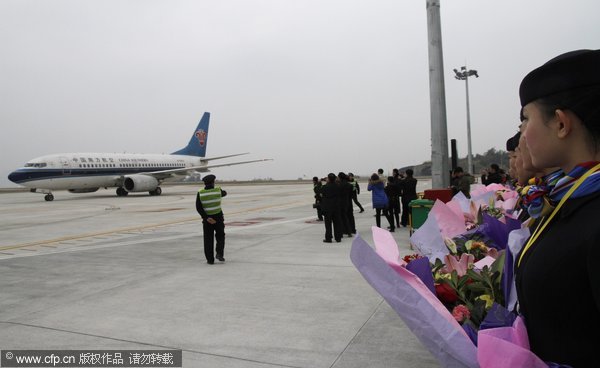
(197, 144)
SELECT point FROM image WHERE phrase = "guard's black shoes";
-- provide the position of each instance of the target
(210, 262)
(326, 241)
(220, 258)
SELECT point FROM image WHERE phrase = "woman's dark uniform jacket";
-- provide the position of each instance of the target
(330, 198)
(569, 245)
(558, 280)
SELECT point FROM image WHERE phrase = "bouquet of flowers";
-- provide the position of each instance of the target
(451, 293)
(430, 320)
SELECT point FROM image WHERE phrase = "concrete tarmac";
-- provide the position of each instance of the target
(95, 271)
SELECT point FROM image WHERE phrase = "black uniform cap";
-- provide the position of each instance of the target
(569, 71)
(513, 142)
(209, 179)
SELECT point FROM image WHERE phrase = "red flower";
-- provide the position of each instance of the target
(445, 293)
(461, 313)
(411, 257)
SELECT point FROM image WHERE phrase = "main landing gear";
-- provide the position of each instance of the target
(121, 192)
(155, 192)
(49, 197)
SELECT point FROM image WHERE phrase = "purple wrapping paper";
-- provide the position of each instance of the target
(422, 312)
(422, 269)
(498, 316)
(498, 231)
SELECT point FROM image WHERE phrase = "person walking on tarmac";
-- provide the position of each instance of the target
(355, 191)
(208, 205)
(392, 191)
(395, 206)
(380, 200)
(317, 185)
(330, 205)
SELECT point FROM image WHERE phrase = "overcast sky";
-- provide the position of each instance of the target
(318, 85)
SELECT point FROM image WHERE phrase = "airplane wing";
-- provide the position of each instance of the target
(164, 174)
(220, 157)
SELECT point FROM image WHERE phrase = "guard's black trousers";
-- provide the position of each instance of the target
(210, 233)
(333, 218)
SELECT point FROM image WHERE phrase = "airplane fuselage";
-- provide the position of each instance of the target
(128, 172)
(87, 171)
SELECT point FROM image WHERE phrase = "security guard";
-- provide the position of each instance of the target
(208, 205)
(355, 191)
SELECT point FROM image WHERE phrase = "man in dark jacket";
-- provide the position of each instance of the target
(460, 183)
(494, 175)
(392, 191)
(347, 211)
(330, 198)
(208, 205)
(317, 185)
(409, 193)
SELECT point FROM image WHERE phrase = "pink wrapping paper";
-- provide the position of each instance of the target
(506, 347)
(450, 223)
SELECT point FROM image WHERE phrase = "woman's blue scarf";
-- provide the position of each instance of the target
(541, 195)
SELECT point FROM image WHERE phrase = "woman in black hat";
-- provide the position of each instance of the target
(557, 271)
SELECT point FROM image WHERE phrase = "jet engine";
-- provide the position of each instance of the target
(140, 183)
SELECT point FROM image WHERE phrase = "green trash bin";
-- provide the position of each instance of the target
(419, 210)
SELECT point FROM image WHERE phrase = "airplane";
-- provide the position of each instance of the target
(128, 172)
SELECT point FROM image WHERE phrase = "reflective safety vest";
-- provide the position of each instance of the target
(211, 200)
(354, 183)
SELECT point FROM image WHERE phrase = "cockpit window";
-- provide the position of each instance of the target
(36, 164)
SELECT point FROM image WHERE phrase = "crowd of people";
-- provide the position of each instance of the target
(335, 194)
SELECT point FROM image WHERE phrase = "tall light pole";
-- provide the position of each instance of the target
(464, 74)
(440, 177)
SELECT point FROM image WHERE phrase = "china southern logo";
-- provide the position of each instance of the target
(201, 135)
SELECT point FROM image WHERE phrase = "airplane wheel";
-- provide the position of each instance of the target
(49, 197)
(122, 192)
(155, 192)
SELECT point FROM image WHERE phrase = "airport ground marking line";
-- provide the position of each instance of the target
(378, 307)
(134, 228)
(151, 240)
(147, 344)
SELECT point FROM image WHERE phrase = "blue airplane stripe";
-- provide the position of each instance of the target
(24, 176)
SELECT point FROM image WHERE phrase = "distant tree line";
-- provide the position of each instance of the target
(480, 161)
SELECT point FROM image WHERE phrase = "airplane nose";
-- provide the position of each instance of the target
(15, 176)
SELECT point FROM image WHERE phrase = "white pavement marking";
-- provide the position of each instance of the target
(233, 229)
